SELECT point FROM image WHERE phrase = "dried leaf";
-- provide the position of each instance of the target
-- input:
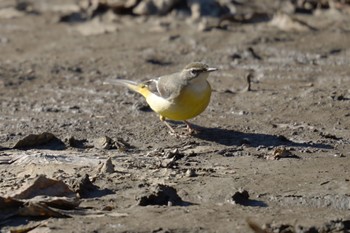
(36, 140)
(279, 153)
(24, 229)
(39, 210)
(161, 195)
(8, 202)
(63, 203)
(43, 186)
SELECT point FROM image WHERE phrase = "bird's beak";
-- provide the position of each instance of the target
(211, 69)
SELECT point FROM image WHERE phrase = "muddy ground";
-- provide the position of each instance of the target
(285, 142)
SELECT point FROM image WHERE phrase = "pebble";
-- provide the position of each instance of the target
(108, 166)
(191, 173)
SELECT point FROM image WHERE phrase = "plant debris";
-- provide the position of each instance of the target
(160, 195)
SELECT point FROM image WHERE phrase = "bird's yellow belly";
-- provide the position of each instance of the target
(190, 103)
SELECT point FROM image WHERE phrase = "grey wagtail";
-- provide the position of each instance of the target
(179, 96)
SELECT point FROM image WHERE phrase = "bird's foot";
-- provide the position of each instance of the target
(190, 129)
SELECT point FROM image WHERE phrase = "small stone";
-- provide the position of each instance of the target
(107, 208)
(279, 153)
(200, 8)
(240, 197)
(339, 155)
(154, 7)
(103, 143)
(160, 195)
(82, 185)
(108, 166)
(167, 163)
(191, 173)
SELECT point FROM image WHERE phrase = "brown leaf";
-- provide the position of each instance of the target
(8, 202)
(44, 186)
(35, 140)
(39, 210)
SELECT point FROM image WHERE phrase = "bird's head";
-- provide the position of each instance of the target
(197, 69)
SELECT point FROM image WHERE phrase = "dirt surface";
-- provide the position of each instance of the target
(276, 156)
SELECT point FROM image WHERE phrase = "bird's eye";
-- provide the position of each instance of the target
(194, 72)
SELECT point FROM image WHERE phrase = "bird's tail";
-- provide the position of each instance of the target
(130, 84)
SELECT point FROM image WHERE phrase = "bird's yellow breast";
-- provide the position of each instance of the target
(193, 100)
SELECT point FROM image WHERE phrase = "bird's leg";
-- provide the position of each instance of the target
(172, 131)
(189, 128)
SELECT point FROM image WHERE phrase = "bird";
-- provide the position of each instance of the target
(179, 96)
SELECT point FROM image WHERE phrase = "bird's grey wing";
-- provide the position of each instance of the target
(152, 86)
(170, 86)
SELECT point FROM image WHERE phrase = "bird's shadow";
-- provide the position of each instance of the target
(234, 138)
